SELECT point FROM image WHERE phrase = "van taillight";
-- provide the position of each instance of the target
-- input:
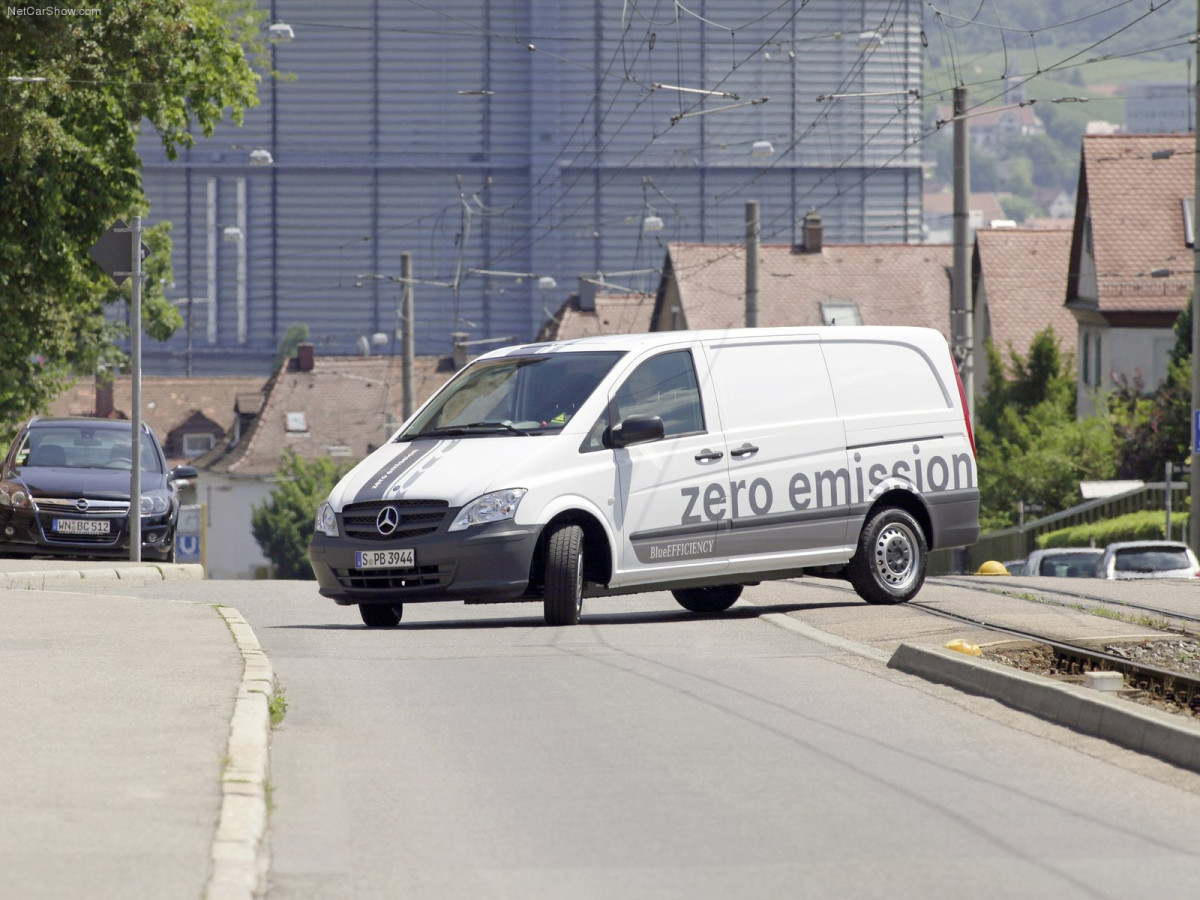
(962, 398)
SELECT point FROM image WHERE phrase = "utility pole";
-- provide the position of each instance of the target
(1194, 516)
(135, 353)
(406, 362)
(753, 236)
(962, 311)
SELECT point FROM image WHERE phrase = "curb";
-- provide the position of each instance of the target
(1142, 729)
(137, 573)
(239, 865)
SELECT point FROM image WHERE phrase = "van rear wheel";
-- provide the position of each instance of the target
(562, 600)
(715, 599)
(380, 615)
(889, 564)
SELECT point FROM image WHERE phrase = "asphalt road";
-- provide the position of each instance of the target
(474, 752)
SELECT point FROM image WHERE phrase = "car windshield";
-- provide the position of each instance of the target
(1152, 559)
(70, 446)
(521, 395)
(1069, 565)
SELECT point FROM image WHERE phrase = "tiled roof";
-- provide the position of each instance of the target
(892, 284)
(345, 406)
(614, 314)
(1024, 273)
(1135, 204)
(167, 403)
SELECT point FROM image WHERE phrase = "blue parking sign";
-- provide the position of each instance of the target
(187, 548)
(1196, 431)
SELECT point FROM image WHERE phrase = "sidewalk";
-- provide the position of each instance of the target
(117, 719)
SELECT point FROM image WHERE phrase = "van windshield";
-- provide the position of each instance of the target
(520, 395)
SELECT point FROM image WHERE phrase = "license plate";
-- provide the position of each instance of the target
(82, 526)
(385, 559)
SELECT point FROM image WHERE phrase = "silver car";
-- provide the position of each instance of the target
(1064, 562)
(1148, 559)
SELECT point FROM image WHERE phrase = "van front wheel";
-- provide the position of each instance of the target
(380, 615)
(562, 600)
(889, 564)
(708, 599)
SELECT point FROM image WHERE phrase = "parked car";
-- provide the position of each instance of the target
(65, 486)
(1014, 566)
(1148, 559)
(1064, 562)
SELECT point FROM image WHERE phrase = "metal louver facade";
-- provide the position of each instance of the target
(435, 129)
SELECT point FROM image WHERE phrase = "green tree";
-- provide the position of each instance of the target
(1031, 447)
(82, 85)
(283, 523)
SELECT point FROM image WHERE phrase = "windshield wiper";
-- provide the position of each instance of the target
(473, 428)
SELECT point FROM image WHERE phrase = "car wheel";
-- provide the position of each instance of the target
(888, 565)
(715, 599)
(562, 600)
(380, 615)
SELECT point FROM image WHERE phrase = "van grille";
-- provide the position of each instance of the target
(417, 518)
(391, 579)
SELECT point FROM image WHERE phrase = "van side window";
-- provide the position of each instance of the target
(664, 386)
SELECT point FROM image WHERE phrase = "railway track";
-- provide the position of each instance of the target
(1159, 686)
(1008, 590)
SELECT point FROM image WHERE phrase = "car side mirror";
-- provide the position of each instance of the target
(636, 430)
(181, 472)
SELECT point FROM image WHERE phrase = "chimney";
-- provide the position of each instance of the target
(104, 396)
(813, 232)
(304, 357)
(460, 348)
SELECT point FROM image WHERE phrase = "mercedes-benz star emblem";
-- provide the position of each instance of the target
(387, 520)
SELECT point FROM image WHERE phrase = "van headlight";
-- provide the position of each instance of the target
(493, 507)
(326, 523)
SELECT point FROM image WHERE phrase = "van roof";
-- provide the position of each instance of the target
(628, 342)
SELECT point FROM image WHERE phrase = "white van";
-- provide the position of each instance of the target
(696, 462)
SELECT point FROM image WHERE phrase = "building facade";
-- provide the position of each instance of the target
(511, 149)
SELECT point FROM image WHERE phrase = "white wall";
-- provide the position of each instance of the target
(230, 550)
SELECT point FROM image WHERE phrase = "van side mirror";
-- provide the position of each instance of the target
(636, 430)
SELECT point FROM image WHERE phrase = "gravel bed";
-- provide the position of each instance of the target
(1174, 654)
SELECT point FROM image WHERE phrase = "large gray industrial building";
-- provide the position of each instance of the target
(497, 139)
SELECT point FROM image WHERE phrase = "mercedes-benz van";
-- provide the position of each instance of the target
(694, 462)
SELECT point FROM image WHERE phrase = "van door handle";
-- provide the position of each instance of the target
(708, 455)
(744, 450)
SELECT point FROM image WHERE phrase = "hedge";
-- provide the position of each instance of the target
(1147, 525)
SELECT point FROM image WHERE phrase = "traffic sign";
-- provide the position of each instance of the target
(1195, 431)
(112, 251)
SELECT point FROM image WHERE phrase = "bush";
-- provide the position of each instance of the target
(1147, 525)
(283, 524)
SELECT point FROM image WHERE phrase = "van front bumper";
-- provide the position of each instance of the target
(484, 564)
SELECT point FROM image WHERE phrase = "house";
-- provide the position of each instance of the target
(704, 285)
(342, 407)
(1130, 271)
(602, 313)
(983, 208)
(990, 124)
(1019, 280)
(190, 416)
